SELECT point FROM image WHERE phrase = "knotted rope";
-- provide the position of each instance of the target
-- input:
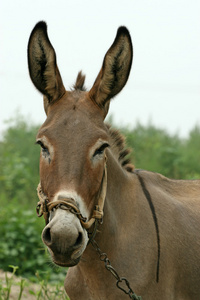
(44, 206)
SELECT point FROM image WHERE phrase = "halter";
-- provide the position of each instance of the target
(44, 206)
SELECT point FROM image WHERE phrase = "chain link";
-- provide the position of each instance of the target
(120, 280)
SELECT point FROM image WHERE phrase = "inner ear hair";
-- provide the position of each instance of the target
(42, 64)
(115, 70)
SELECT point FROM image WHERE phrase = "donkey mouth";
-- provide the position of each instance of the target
(66, 259)
(65, 263)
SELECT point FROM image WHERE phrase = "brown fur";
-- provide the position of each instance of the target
(150, 228)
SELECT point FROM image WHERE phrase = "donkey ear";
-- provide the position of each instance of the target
(115, 70)
(42, 64)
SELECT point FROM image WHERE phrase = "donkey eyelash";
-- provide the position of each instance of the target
(44, 148)
(41, 144)
(101, 149)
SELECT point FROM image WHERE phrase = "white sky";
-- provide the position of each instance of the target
(164, 85)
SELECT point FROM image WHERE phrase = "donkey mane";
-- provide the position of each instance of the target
(80, 81)
(118, 147)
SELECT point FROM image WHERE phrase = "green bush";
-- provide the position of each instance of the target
(156, 150)
(21, 243)
(19, 162)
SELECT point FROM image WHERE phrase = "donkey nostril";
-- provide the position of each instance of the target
(47, 236)
(79, 239)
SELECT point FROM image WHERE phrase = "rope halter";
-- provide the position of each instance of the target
(44, 206)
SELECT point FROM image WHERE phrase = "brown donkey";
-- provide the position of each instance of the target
(141, 225)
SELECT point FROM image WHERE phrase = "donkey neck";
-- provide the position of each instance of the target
(119, 196)
(118, 181)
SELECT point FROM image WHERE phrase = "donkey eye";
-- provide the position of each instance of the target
(45, 150)
(41, 144)
(101, 149)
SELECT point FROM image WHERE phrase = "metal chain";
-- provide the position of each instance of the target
(120, 280)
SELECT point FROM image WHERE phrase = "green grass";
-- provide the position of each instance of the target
(19, 288)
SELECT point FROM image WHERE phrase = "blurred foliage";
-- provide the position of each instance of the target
(154, 150)
(19, 162)
(20, 229)
(157, 151)
(21, 244)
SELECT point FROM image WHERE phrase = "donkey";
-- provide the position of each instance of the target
(98, 208)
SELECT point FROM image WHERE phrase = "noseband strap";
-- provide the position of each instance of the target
(44, 206)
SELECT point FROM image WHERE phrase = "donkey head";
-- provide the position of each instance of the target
(73, 138)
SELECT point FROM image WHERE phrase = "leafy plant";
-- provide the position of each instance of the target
(41, 290)
(5, 290)
(19, 162)
(21, 243)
